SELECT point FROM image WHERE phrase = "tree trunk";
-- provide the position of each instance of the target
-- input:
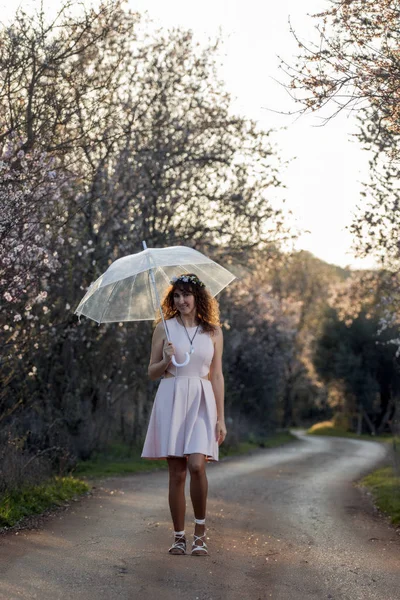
(388, 413)
(368, 421)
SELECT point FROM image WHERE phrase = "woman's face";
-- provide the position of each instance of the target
(184, 301)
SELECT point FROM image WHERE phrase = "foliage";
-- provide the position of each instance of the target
(354, 354)
(354, 66)
(258, 340)
(328, 428)
(30, 196)
(355, 63)
(300, 284)
(341, 421)
(122, 459)
(376, 227)
(385, 488)
(111, 134)
(103, 467)
(35, 499)
(321, 428)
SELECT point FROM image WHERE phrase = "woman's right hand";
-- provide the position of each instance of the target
(168, 352)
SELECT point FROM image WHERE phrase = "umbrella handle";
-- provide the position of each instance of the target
(185, 362)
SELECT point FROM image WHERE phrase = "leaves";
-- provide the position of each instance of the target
(112, 134)
(355, 63)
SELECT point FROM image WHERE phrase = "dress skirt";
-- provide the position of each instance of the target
(183, 419)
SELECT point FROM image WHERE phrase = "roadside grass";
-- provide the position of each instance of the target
(35, 499)
(384, 486)
(119, 459)
(256, 443)
(328, 428)
(107, 465)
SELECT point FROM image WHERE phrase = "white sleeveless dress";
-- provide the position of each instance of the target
(184, 415)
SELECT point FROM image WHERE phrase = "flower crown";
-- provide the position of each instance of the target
(188, 279)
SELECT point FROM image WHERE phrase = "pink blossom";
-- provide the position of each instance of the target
(41, 296)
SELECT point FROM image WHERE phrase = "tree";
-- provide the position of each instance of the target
(376, 227)
(301, 283)
(258, 345)
(355, 67)
(352, 353)
(29, 193)
(142, 143)
(355, 63)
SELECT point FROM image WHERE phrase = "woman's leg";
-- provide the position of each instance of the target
(177, 503)
(198, 489)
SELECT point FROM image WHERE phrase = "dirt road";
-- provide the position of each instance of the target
(285, 524)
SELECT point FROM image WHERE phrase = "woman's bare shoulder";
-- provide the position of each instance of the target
(159, 329)
(217, 333)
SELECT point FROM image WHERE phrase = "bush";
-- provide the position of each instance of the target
(341, 421)
(22, 464)
(317, 427)
(35, 499)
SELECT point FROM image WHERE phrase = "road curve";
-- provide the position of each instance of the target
(285, 524)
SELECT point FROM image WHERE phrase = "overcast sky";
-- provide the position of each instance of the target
(324, 181)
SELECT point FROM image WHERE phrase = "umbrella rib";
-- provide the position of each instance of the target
(149, 253)
(210, 277)
(163, 273)
(89, 292)
(153, 281)
(98, 303)
(130, 298)
(108, 299)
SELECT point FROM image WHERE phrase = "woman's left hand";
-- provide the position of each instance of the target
(221, 432)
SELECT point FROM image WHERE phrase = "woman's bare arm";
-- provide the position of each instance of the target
(161, 353)
(218, 384)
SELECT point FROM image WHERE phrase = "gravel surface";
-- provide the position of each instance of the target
(286, 523)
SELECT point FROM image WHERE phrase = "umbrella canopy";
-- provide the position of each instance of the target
(126, 293)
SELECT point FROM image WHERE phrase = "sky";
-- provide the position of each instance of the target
(323, 181)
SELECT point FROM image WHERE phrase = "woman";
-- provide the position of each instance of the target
(187, 421)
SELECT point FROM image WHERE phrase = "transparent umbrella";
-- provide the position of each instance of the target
(131, 288)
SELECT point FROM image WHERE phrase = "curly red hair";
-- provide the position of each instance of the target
(207, 306)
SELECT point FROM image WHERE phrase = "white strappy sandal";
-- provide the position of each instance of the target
(199, 549)
(179, 544)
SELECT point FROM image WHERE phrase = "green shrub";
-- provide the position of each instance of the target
(385, 488)
(35, 499)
